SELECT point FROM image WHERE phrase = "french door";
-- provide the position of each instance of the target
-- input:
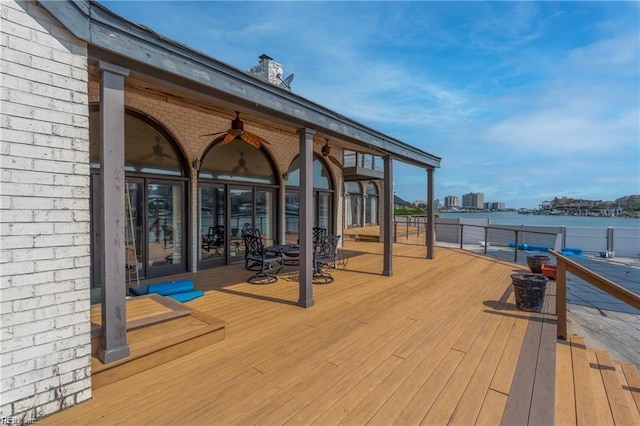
(226, 210)
(155, 228)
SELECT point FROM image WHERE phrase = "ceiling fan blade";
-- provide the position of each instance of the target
(146, 157)
(214, 134)
(253, 140)
(231, 135)
(169, 156)
(335, 161)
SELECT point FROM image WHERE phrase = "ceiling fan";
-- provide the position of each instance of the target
(326, 152)
(158, 151)
(237, 131)
(241, 168)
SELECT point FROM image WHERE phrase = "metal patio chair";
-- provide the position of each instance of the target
(325, 255)
(269, 264)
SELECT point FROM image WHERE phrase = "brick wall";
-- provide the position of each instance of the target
(188, 122)
(44, 216)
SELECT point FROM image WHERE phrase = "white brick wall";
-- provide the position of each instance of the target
(44, 215)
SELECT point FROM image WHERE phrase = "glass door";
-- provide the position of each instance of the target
(323, 219)
(265, 219)
(134, 225)
(211, 199)
(241, 208)
(165, 228)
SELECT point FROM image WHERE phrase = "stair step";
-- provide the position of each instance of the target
(607, 392)
(631, 376)
(620, 401)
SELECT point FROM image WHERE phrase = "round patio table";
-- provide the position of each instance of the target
(287, 250)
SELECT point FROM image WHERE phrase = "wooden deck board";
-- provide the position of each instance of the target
(585, 407)
(633, 382)
(618, 402)
(436, 342)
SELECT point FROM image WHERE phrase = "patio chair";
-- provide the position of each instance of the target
(325, 255)
(267, 264)
(214, 238)
(318, 232)
(167, 233)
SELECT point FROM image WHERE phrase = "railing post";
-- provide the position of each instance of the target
(609, 238)
(561, 298)
(395, 231)
(486, 239)
(461, 235)
(407, 222)
(516, 247)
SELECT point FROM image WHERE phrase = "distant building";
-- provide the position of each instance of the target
(473, 200)
(628, 201)
(450, 201)
(545, 205)
(494, 206)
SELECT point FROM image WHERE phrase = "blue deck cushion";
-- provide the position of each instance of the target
(164, 288)
(185, 297)
(139, 290)
(171, 287)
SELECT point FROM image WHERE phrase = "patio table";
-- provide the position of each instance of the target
(286, 250)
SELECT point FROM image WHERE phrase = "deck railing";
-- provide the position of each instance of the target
(486, 236)
(564, 265)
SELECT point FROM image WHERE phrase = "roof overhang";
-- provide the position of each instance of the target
(149, 56)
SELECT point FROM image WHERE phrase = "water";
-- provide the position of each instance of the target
(512, 218)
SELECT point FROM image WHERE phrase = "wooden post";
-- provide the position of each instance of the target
(561, 298)
(305, 218)
(113, 345)
(387, 270)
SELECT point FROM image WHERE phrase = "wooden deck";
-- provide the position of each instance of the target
(438, 342)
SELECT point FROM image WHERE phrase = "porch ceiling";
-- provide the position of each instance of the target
(153, 58)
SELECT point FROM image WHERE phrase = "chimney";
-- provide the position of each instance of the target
(270, 71)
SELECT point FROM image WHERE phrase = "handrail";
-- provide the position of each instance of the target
(564, 265)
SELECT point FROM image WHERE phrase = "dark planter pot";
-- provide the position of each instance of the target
(535, 262)
(529, 290)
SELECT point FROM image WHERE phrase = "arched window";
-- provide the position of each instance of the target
(238, 161)
(148, 147)
(371, 205)
(155, 198)
(237, 192)
(322, 198)
(353, 204)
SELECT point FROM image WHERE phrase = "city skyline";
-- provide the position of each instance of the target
(522, 100)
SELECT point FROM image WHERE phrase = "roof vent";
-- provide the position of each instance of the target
(272, 72)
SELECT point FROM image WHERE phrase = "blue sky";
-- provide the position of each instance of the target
(523, 101)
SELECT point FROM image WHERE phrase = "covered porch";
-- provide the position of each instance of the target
(435, 343)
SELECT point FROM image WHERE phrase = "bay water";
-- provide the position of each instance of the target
(513, 218)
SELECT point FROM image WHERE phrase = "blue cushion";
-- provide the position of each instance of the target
(185, 297)
(139, 290)
(164, 288)
(171, 287)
